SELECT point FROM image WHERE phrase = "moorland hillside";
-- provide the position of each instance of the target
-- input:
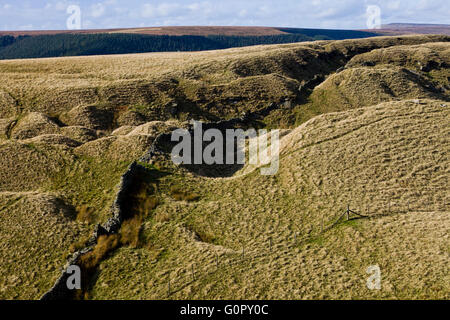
(365, 124)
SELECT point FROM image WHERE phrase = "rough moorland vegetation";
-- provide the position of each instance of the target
(366, 124)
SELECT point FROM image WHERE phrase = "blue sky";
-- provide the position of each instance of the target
(345, 14)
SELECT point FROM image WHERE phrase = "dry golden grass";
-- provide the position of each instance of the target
(36, 231)
(380, 160)
(117, 148)
(105, 244)
(32, 125)
(359, 87)
(389, 156)
(415, 57)
(55, 86)
(179, 194)
(142, 203)
(26, 167)
(129, 231)
(85, 214)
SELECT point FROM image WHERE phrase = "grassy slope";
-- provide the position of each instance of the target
(394, 73)
(245, 78)
(37, 230)
(42, 190)
(83, 176)
(393, 153)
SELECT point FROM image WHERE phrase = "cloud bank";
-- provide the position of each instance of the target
(346, 14)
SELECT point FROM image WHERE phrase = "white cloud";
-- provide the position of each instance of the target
(87, 24)
(26, 27)
(204, 8)
(328, 13)
(148, 10)
(97, 10)
(393, 5)
(345, 14)
(167, 9)
(263, 11)
(61, 6)
(242, 13)
(163, 10)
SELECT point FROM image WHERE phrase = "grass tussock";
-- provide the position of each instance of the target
(90, 261)
(105, 244)
(129, 232)
(79, 244)
(147, 204)
(206, 236)
(179, 194)
(85, 214)
(163, 216)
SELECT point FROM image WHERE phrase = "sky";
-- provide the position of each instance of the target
(334, 14)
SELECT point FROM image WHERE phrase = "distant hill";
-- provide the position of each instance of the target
(59, 43)
(188, 31)
(413, 28)
(247, 31)
(40, 44)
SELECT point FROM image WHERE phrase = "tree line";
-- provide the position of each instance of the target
(60, 45)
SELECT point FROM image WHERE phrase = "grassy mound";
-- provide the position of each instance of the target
(32, 125)
(88, 116)
(119, 148)
(425, 57)
(55, 195)
(37, 230)
(52, 139)
(5, 127)
(430, 60)
(78, 133)
(364, 86)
